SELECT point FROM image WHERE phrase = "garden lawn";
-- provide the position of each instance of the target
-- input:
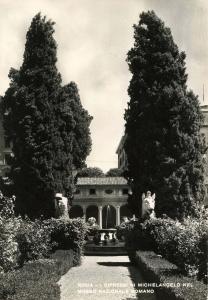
(37, 279)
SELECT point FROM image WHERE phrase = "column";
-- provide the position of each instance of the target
(84, 213)
(100, 217)
(117, 215)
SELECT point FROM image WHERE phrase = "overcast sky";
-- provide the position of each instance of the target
(93, 38)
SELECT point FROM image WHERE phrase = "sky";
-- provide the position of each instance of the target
(93, 39)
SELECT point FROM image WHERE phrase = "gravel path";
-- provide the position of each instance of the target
(103, 278)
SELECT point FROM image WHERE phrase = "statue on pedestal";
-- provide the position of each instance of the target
(61, 206)
(92, 221)
(148, 205)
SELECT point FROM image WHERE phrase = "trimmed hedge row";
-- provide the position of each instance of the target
(37, 279)
(164, 274)
(182, 243)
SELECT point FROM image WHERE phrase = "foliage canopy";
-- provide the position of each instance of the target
(163, 120)
(45, 123)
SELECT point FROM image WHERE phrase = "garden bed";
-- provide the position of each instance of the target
(37, 279)
(166, 278)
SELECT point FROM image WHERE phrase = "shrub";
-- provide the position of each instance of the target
(34, 240)
(158, 270)
(36, 279)
(6, 206)
(9, 251)
(183, 243)
(92, 230)
(9, 225)
(22, 240)
(164, 233)
(136, 237)
(121, 229)
(68, 234)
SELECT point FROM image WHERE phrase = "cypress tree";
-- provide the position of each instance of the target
(29, 101)
(80, 141)
(163, 121)
(40, 123)
(73, 141)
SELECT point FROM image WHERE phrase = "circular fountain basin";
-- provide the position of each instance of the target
(110, 231)
(105, 247)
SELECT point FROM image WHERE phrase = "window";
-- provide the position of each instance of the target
(125, 191)
(92, 192)
(120, 161)
(7, 143)
(77, 192)
(7, 158)
(108, 191)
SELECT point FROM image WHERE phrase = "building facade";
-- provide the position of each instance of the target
(122, 158)
(5, 151)
(103, 198)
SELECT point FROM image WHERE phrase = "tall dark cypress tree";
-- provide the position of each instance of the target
(163, 122)
(43, 125)
(73, 141)
(30, 112)
(81, 141)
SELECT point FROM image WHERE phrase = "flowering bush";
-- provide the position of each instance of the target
(25, 240)
(9, 225)
(6, 206)
(121, 229)
(34, 240)
(182, 243)
(92, 227)
(68, 234)
(9, 251)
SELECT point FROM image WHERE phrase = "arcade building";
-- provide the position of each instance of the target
(104, 198)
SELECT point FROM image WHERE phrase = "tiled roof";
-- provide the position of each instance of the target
(101, 181)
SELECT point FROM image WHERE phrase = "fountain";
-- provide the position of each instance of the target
(105, 241)
(109, 217)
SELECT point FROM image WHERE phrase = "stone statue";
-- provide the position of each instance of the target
(61, 206)
(148, 205)
(92, 221)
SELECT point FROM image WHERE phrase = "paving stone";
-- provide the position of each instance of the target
(103, 278)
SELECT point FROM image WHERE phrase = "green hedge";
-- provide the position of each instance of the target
(160, 271)
(37, 279)
(22, 240)
(68, 234)
(34, 240)
(183, 243)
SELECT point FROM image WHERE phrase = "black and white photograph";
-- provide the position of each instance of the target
(103, 149)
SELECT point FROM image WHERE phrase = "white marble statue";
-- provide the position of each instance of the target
(148, 205)
(91, 221)
(61, 206)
